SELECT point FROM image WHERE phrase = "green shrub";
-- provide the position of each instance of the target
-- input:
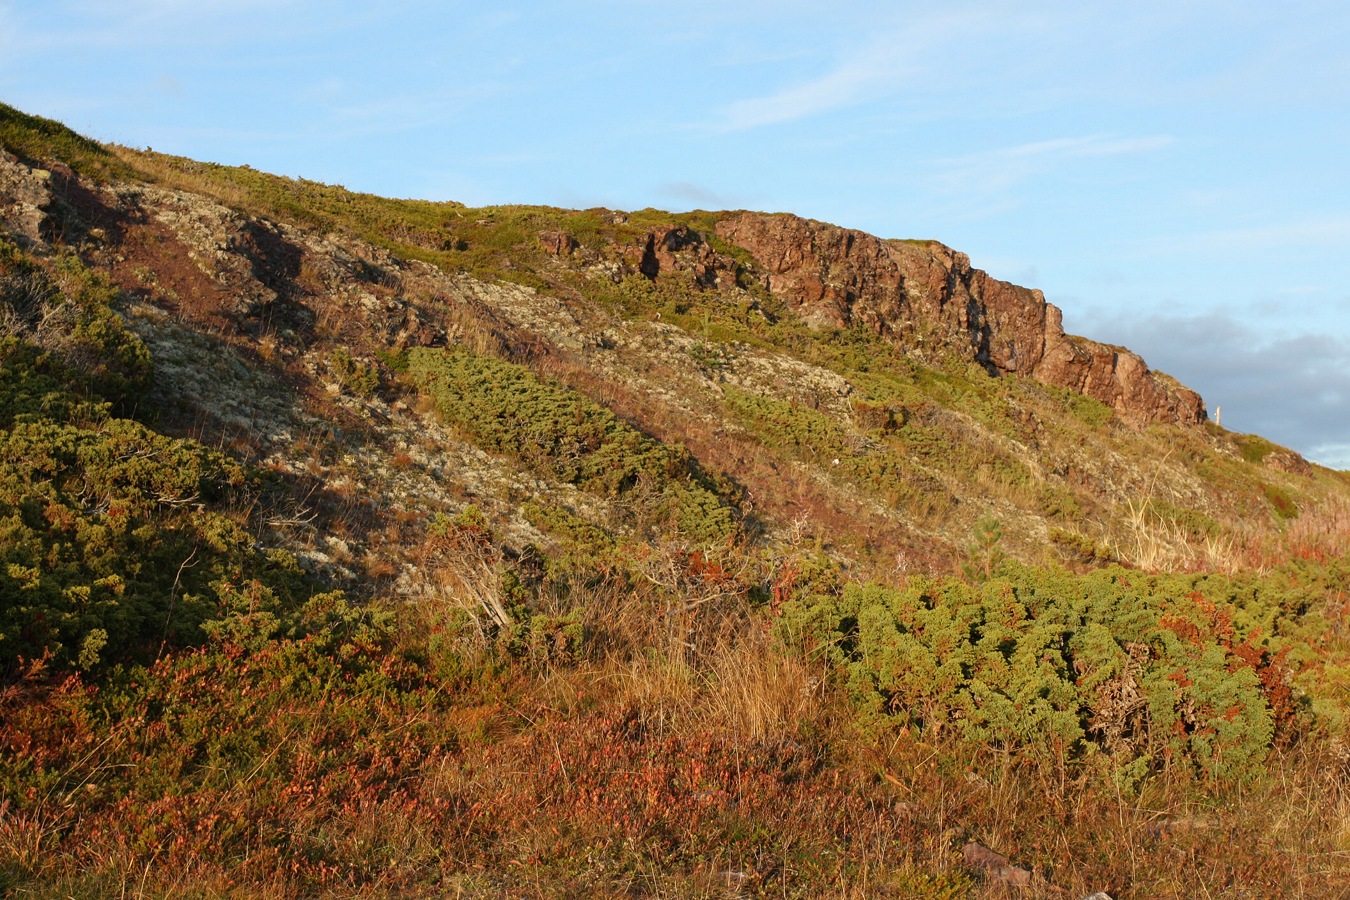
(1077, 547)
(1150, 671)
(113, 538)
(983, 554)
(499, 592)
(66, 320)
(353, 376)
(505, 409)
(567, 527)
(31, 387)
(111, 529)
(1254, 448)
(1087, 410)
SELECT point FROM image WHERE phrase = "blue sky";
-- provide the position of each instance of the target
(1172, 174)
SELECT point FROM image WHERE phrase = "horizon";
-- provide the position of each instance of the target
(1171, 179)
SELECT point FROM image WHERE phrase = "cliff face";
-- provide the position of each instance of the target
(923, 295)
(920, 295)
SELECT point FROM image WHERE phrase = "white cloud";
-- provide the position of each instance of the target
(910, 53)
(358, 111)
(137, 25)
(1336, 456)
(167, 84)
(9, 28)
(858, 79)
(992, 171)
(1291, 387)
(1091, 145)
(153, 9)
(1330, 231)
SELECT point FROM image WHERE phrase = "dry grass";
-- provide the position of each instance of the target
(1322, 532)
(733, 772)
(746, 689)
(757, 693)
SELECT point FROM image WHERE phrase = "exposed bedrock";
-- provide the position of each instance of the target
(924, 295)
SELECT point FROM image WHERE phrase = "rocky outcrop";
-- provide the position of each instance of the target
(558, 243)
(923, 295)
(680, 248)
(1287, 461)
(24, 198)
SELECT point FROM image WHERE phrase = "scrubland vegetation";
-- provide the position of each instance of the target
(686, 694)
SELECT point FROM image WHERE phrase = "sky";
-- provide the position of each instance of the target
(1173, 175)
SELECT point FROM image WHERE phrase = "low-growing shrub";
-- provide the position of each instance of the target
(506, 409)
(820, 440)
(353, 376)
(42, 140)
(113, 539)
(1150, 671)
(66, 319)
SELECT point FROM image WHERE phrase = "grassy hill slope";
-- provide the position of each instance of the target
(357, 546)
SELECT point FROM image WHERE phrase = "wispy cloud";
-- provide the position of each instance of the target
(983, 55)
(365, 114)
(9, 27)
(1330, 231)
(168, 84)
(142, 24)
(870, 72)
(996, 170)
(1069, 148)
(1335, 455)
(895, 58)
(146, 10)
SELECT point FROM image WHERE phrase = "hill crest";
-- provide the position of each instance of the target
(882, 391)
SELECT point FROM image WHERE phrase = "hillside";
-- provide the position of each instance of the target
(415, 548)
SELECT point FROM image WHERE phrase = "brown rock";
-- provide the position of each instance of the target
(996, 866)
(831, 277)
(559, 243)
(25, 194)
(681, 249)
(922, 294)
(1287, 461)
